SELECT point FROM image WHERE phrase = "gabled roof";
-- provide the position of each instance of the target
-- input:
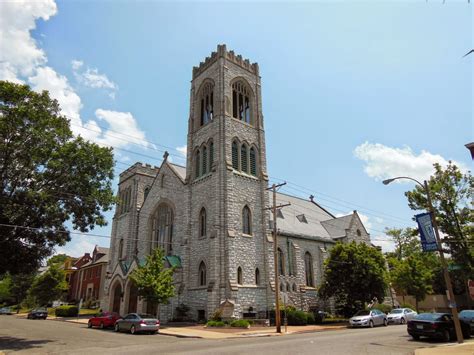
(293, 224)
(336, 227)
(179, 170)
(102, 250)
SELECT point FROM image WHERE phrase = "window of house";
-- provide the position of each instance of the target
(253, 162)
(241, 101)
(358, 233)
(162, 229)
(204, 160)
(239, 276)
(294, 287)
(211, 154)
(246, 221)
(292, 259)
(243, 159)
(147, 191)
(282, 287)
(235, 155)
(281, 262)
(308, 265)
(257, 277)
(202, 274)
(120, 249)
(302, 218)
(207, 104)
(202, 223)
(197, 170)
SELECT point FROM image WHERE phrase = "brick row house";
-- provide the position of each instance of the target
(87, 281)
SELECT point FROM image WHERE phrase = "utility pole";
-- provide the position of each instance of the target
(274, 208)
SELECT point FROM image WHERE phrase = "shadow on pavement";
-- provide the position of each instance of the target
(13, 343)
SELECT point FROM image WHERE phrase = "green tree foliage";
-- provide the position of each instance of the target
(58, 259)
(47, 177)
(354, 274)
(153, 280)
(452, 194)
(406, 242)
(412, 276)
(5, 289)
(49, 286)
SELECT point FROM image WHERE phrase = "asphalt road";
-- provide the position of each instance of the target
(54, 337)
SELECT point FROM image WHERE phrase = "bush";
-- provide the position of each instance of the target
(67, 311)
(215, 323)
(385, 308)
(310, 318)
(297, 317)
(240, 323)
(217, 315)
(407, 305)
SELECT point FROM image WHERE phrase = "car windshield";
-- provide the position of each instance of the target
(395, 311)
(362, 313)
(467, 313)
(429, 316)
(145, 316)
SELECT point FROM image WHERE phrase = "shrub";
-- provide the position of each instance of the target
(310, 318)
(215, 323)
(217, 315)
(67, 311)
(297, 318)
(385, 308)
(240, 323)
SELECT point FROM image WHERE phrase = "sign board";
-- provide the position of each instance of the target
(425, 227)
(471, 288)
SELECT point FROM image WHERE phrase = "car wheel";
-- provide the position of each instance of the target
(44, 318)
(89, 324)
(371, 324)
(132, 329)
(117, 327)
(446, 336)
(385, 322)
(154, 332)
(415, 337)
(101, 326)
(402, 321)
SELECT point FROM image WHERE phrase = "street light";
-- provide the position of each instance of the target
(447, 278)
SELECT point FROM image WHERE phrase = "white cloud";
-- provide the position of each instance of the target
(383, 241)
(78, 246)
(76, 64)
(384, 162)
(19, 54)
(182, 150)
(91, 77)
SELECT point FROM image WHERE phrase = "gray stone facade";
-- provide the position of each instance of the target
(223, 190)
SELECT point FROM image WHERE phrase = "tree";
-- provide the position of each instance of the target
(49, 286)
(47, 177)
(406, 241)
(153, 280)
(412, 276)
(354, 274)
(452, 193)
(57, 259)
(20, 286)
(5, 289)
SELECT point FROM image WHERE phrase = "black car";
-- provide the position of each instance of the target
(39, 313)
(435, 325)
(467, 316)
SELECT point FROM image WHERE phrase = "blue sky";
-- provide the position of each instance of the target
(352, 92)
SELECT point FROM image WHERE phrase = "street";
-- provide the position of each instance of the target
(41, 337)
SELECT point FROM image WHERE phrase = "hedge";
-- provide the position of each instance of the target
(215, 323)
(67, 311)
(240, 323)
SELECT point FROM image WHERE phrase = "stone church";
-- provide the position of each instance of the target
(211, 217)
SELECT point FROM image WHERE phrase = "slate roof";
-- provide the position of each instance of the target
(337, 227)
(291, 225)
(180, 170)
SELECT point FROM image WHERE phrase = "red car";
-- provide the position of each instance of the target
(103, 320)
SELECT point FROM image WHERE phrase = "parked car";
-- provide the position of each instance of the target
(401, 315)
(467, 316)
(6, 310)
(103, 320)
(38, 313)
(369, 318)
(135, 323)
(435, 325)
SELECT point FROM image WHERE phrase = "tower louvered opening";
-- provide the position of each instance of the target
(253, 162)
(235, 155)
(243, 159)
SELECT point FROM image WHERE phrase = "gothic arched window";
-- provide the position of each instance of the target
(294, 287)
(257, 277)
(292, 259)
(308, 266)
(211, 154)
(197, 167)
(235, 155)
(239, 276)
(204, 161)
(202, 274)
(207, 104)
(202, 223)
(162, 228)
(120, 250)
(253, 162)
(246, 221)
(147, 190)
(241, 101)
(281, 262)
(244, 166)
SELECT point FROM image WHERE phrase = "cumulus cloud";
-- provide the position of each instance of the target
(182, 150)
(91, 77)
(382, 162)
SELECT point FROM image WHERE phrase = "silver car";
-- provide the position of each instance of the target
(369, 318)
(138, 323)
(401, 315)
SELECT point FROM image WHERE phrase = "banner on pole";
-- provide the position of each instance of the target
(425, 227)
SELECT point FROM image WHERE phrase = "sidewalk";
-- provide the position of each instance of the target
(449, 349)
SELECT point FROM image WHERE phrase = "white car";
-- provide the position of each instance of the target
(369, 318)
(401, 315)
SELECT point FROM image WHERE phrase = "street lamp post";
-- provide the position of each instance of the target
(447, 277)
